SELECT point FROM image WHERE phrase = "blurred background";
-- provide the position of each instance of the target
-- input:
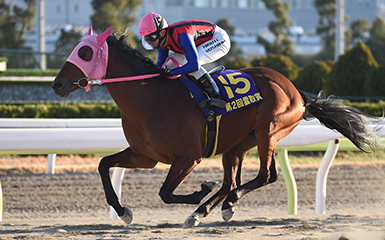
(332, 45)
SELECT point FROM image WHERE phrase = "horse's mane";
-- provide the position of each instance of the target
(134, 57)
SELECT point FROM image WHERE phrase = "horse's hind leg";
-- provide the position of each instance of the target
(267, 174)
(232, 163)
(180, 169)
(126, 159)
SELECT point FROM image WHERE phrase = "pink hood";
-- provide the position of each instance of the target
(97, 66)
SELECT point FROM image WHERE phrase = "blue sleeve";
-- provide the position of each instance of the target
(187, 43)
(162, 55)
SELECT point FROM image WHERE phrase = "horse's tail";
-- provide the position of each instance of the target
(349, 121)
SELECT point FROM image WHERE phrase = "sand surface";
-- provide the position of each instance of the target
(73, 206)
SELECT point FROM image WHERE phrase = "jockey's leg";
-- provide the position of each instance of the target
(204, 79)
(220, 46)
(210, 87)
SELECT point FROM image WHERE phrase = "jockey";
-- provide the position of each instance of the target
(192, 43)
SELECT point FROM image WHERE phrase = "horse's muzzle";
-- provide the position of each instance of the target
(59, 89)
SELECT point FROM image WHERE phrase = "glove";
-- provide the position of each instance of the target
(164, 72)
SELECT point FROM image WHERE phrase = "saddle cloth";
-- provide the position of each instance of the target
(237, 89)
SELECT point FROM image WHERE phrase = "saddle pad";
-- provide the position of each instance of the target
(237, 89)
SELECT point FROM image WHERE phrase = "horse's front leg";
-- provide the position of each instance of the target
(126, 159)
(178, 172)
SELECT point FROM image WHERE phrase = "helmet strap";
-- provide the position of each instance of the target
(160, 38)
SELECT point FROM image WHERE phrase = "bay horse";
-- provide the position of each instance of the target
(163, 123)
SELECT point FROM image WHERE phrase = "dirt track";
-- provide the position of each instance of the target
(72, 205)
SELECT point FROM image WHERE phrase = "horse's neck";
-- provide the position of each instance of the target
(123, 93)
(119, 67)
(135, 98)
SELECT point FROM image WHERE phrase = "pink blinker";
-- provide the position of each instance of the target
(95, 68)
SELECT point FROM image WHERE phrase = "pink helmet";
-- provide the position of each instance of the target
(150, 23)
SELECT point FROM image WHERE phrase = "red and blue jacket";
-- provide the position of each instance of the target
(184, 37)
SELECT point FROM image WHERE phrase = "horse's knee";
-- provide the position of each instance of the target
(103, 165)
(166, 195)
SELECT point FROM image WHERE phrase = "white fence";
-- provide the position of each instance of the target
(65, 136)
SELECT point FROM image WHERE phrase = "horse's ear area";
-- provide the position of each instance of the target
(90, 31)
(102, 37)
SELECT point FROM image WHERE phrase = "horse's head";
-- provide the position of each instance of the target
(88, 61)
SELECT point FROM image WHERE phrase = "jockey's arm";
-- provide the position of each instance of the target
(162, 56)
(187, 44)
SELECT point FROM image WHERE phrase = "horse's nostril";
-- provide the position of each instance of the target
(57, 85)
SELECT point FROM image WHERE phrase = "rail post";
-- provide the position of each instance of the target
(291, 185)
(322, 176)
(51, 160)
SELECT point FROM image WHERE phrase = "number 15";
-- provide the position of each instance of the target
(234, 81)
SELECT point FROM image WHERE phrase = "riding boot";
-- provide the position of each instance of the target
(212, 90)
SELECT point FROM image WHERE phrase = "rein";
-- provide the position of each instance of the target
(85, 83)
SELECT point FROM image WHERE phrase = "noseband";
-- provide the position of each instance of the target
(84, 82)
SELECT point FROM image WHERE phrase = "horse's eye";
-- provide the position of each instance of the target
(85, 53)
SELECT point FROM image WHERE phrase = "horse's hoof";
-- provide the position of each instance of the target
(227, 214)
(127, 216)
(192, 220)
(209, 184)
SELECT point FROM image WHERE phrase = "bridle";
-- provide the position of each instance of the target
(85, 82)
(95, 69)
(101, 66)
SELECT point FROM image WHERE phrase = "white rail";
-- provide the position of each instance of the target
(65, 136)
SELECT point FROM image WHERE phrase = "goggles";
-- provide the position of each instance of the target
(151, 37)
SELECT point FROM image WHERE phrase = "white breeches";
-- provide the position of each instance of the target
(208, 52)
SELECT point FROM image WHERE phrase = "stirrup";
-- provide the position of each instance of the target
(216, 70)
